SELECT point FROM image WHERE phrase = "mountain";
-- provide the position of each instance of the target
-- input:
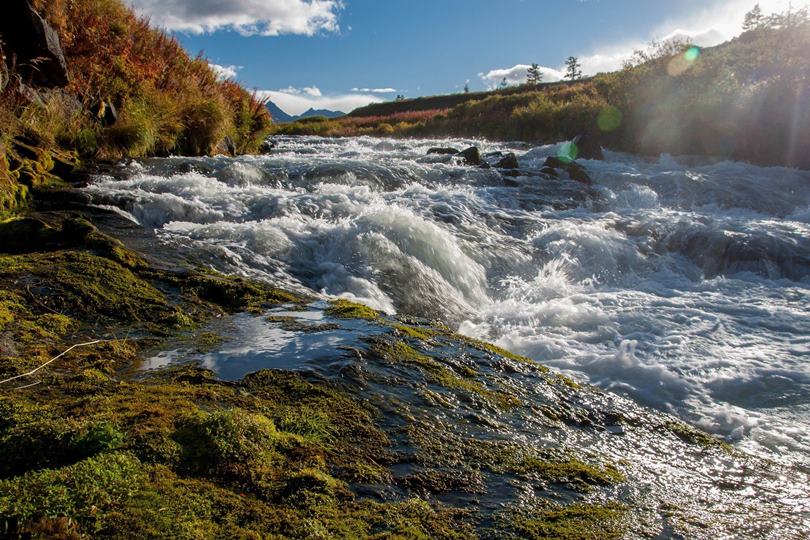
(320, 112)
(281, 117)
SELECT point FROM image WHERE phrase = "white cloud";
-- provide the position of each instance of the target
(716, 22)
(312, 91)
(248, 17)
(375, 90)
(224, 72)
(295, 101)
(517, 75)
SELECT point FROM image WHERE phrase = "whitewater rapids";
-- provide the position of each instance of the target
(682, 283)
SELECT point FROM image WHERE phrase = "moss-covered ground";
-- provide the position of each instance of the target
(401, 445)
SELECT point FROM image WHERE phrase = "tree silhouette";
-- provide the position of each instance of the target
(534, 76)
(504, 83)
(573, 69)
(753, 19)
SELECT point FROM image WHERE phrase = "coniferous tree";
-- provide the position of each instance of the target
(573, 69)
(534, 76)
(753, 19)
(504, 83)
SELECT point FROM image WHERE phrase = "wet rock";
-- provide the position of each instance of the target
(267, 147)
(60, 198)
(32, 45)
(575, 172)
(548, 171)
(21, 235)
(588, 147)
(511, 183)
(105, 112)
(471, 156)
(509, 161)
(442, 151)
(485, 165)
(512, 172)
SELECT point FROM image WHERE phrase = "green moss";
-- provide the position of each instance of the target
(88, 285)
(84, 491)
(494, 349)
(208, 341)
(420, 333)
(345, 309)
(691, 435)
(580, 521)
(235, 293)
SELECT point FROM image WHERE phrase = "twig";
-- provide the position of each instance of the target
(52, 359)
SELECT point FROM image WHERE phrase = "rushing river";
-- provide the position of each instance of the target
(683, 284)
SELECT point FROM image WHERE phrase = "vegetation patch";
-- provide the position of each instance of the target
(346, 309)
(578, 521)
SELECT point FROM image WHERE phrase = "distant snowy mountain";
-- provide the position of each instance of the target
(281, 117)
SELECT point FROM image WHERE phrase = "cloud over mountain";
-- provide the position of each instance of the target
(298, 100)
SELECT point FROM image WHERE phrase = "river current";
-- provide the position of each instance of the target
(682, 283)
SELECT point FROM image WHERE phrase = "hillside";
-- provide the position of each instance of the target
(730, 101)
(87, 80)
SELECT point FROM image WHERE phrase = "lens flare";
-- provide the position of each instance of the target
(609, 119)
(568, 152)
(682, 62)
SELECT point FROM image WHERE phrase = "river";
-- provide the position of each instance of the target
(682, 283)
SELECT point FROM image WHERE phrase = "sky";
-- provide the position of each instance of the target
(342, 54)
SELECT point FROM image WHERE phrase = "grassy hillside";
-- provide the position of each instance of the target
(745, 99)
(166, 101)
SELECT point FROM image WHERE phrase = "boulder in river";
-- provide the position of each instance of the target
(588, 147)
(267, 147)
(471, 156)
(575, 172)
(509, 161)
(32, 45)
(442, 151)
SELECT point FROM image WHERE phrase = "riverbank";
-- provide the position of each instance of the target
(744, 100)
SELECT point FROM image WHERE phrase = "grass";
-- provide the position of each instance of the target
(745, 99)
(168, 102)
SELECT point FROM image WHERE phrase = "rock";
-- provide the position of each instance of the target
(105, 112)
(485, 165)
(512, 172)
(267, 147)
(442, 151)
(575, 171)
(230, 146)
(25, 234)
(509, 161)
(548, 171)
(471, 156)
(588, 147)
(32, 45)
(511, 183)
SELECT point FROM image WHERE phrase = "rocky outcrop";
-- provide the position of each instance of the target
(509, 161)
(470, 156)
(32, 46)
(588, 147)
(575, 172)
(442, 151)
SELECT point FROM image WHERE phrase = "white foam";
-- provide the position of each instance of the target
(685, 285)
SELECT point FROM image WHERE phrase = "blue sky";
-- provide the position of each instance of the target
(340, 54)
